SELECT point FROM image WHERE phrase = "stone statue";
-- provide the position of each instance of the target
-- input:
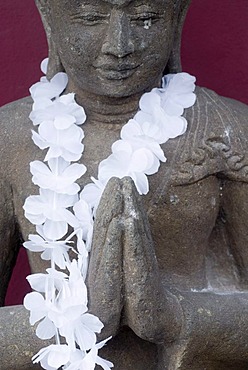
(171, 282)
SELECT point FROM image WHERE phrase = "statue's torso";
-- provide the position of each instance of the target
(190, 205)
(186, 195)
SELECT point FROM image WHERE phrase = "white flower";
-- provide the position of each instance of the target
(53, 356)
(75, 286)
(92, 193)
(61, 143)
(59, 177)
(153, 112)
(83, 258)
(78, 327)
(177, 93)
(143, 135)
(49, 208)
(55, 251)
(49, 89)
(81, 361)
(84, 215)
(67, 311)
(137, 143)
(127, 162)
(39, 310)
(63, 112)
(47, 283)
(44, 66)
(148, 162)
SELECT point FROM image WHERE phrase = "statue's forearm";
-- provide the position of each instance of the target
(10, 237)
(18, 340)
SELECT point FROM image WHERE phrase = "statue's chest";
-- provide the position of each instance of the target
(183, 200)
(182, 212)
(170, 196)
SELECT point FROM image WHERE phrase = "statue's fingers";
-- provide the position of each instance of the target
(110, 206)
(105, 269)
(150, 311)
(105, 283)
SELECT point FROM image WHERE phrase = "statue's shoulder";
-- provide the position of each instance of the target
(14, 116)
(217, 138)
(15, 127)
(219, 108)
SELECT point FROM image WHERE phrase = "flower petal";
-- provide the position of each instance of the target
(55, 230)
(45, 329)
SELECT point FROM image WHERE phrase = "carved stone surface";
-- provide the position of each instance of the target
(168, 273)
(18, 340)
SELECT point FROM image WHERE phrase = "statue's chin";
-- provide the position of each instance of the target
(105, 82)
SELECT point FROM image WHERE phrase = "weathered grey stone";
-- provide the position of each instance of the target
(18, 340)
(168, 274)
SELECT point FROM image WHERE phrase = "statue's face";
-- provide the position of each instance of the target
(114, 47)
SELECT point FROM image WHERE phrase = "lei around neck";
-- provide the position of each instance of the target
(59, 300)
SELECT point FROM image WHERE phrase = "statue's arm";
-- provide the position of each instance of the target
(18, 340)
(235, 217)
(10, 237)
(234, 188)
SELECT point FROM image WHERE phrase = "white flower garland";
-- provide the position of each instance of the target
(59, 301)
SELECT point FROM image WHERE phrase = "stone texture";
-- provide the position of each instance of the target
(18, 340)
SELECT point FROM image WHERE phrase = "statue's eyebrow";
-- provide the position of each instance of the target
(117, 2)
(121, 2)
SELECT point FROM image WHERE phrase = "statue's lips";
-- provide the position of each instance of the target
(116, 72)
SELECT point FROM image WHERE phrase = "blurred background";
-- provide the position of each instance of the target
(214, 49)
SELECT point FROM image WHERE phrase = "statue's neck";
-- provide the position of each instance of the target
(106, 109)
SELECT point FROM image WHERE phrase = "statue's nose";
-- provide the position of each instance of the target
(118, 38)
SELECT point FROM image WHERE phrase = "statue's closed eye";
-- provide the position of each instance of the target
(147, 18)
(91, 18)
(94, 18)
